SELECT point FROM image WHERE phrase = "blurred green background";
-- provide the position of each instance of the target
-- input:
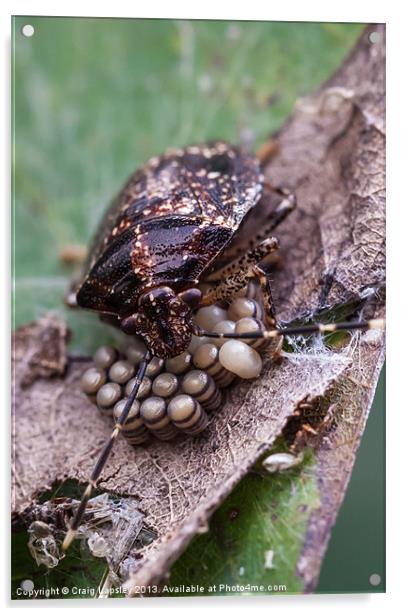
(94, 98)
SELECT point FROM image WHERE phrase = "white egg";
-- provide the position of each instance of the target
(241, 359)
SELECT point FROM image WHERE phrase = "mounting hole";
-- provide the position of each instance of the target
(374, 37)
(375, 579)
(28, 30)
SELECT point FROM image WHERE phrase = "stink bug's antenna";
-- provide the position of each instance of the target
(300, 330)
(100, 464)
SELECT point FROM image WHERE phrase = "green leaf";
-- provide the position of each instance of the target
(265, 513)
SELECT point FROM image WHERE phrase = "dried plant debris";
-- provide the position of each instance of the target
(112, 529)
(332, 155)
(347, 406)
(40, 349)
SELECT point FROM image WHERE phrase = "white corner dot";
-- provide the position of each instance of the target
(28, 30)
(374, 579)
(374, 37)
(27, 585)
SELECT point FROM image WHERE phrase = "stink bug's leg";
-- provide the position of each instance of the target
(235, 275)
(322, 328)
(258, 228)
(285, 207)
(100, 464)
(269, 310)
(267, 152)
(267, 302)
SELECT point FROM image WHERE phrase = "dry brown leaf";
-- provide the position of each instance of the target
(335, 454)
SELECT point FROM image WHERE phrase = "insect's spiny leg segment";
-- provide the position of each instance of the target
(322, 328)
(100, 464)
(282, 211)
(267, 301)
(254, 237)
(235, 275)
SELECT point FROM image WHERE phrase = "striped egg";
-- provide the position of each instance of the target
(208, 316)
(187, 414)
(107, 396)
(179, 364)
(121, 372)
(223, 327)
(196, 341)
(202, 387)
(243, 307)
(144, 389)
(153, 411)
(134, 429)
(206, 358)
(104, 357)
(154, 367)
(165, 385)
(254, 291)
(135, 351)
(92, 380)
(250, 324)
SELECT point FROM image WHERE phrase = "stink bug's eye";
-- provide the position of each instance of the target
(191, 297)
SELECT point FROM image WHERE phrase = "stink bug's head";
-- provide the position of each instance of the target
(164, 320)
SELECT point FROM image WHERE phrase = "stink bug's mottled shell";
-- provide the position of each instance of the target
(170, 221)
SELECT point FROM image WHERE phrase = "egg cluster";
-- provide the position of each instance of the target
(177, 394)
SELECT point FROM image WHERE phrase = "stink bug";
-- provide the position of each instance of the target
(179, 236)
(165, 232)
